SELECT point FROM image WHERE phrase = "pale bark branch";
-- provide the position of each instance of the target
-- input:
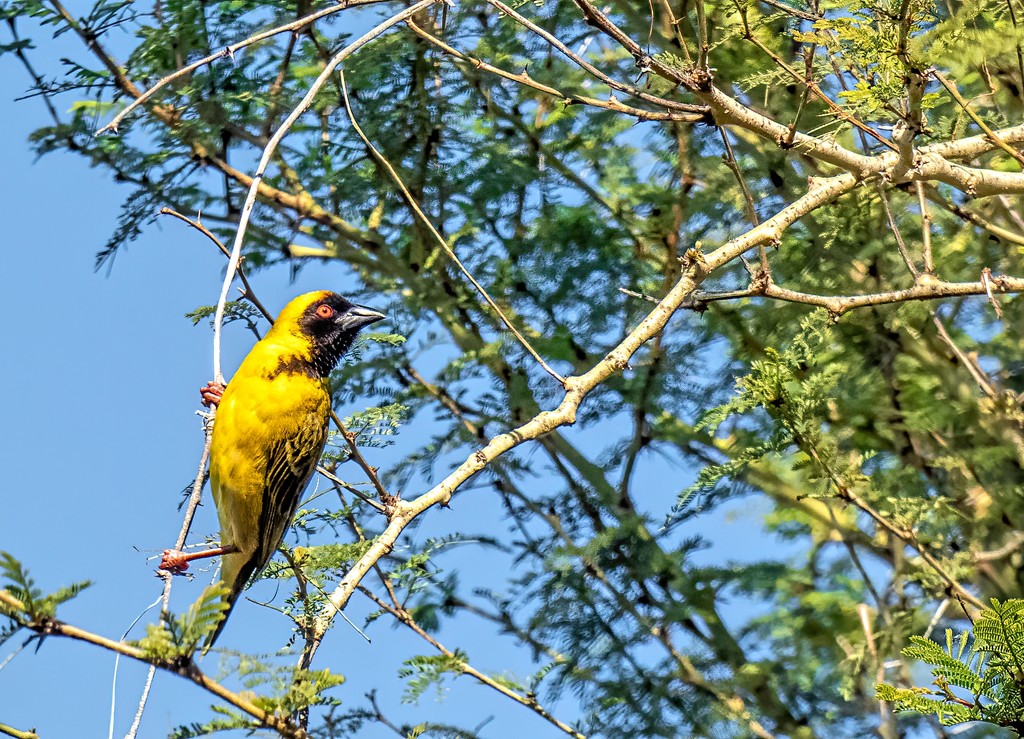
(837, 305)
(576, 390)
(183, 667)
(18, 733)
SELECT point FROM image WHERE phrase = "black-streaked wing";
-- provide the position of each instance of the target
(290, 464)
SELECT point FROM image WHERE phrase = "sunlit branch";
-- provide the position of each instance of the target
(578, 387)
(183, 667)
(18, 733)
(992, 135)
(839, 304)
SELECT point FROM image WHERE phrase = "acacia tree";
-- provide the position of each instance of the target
(770, 242)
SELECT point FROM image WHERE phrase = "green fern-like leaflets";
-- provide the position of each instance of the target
(36, 605)
(422, 672)
(176, 637)
(984, 664)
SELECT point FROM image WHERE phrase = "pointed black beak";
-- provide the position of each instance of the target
(359, 316)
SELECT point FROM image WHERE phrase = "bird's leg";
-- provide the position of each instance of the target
(211, 393)
(175, 560)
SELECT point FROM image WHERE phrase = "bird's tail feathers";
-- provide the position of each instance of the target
(235, 571)
(229, 598)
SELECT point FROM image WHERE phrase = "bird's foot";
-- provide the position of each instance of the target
(211, 393)
(174, 561)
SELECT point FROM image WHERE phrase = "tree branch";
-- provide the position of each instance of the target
(183, 667)
(576, 389)
(837, 305)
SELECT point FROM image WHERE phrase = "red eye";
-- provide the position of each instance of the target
(325, 311)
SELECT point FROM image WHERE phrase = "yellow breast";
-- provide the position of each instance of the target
(270, 429)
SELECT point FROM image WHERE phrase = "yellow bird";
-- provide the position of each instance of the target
(269, 432)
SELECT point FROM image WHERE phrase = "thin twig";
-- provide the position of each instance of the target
(811, 85)
(677, 32)
(905, 535)
(268, 153)
(804, 96)
(403, 616)
(229, 51)
(441, 241)
(197, 485)
(249, 294)
(1012, 237)
(39, 82)
(587, 66)
(748, 200)
(839, 304)
(379, 716)
(1010, 547)
(926, 229)
(976, 373)
(355, 491)
(790, 10)
(523, 78)
(896, 231)
(183, 668)
(703, 44)
(145, 688)
(186, 525)
(936, 617)
(992, 135)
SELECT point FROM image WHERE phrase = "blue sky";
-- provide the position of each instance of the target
(101, 436)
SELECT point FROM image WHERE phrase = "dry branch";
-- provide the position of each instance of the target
(183, 668)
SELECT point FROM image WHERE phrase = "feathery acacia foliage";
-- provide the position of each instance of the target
(814, 191)
(989, 673)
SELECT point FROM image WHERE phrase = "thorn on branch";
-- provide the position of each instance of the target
(760, 282)
(987, 280)
(641, 296)
(694, 259)
(390, 503)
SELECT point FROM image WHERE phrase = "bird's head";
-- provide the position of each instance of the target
(327, 323)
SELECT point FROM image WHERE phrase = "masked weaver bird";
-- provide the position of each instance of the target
(269, 432)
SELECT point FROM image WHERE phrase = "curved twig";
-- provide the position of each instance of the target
(268, 152)
(229, 51)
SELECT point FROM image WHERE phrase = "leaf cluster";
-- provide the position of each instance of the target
(985, 664)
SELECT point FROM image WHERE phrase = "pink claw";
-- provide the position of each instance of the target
(211, 393)
(174, 561)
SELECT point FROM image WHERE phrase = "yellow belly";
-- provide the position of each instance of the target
(270, 425)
